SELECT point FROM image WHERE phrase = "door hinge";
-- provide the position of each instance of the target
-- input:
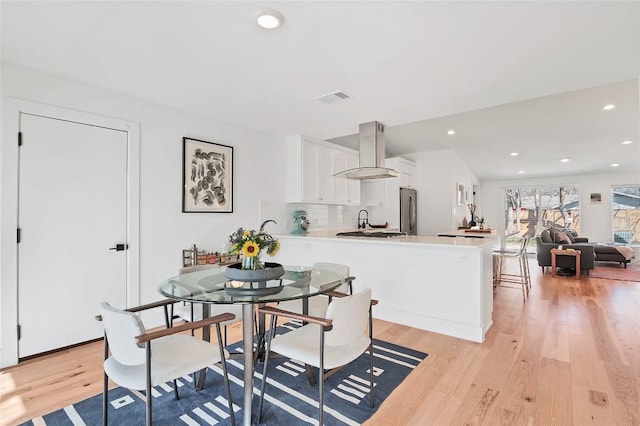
(19, 235)
(19, 332)
(19, 138)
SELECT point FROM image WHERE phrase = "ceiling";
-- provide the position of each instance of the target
(530, 77)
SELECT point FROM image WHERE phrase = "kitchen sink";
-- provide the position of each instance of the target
(375, 234)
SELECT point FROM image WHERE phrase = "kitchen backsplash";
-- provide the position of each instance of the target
(320, 216)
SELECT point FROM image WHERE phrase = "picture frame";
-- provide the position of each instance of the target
(207, 177)
(460, 194)
(595, 197)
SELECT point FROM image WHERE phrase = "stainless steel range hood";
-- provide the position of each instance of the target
(371, 136)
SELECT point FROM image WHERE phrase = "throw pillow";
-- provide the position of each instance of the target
(571, 232)
(545, 236)
(569, 235)
(559, 237)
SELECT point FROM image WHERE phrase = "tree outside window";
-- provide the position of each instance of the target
(626, 214)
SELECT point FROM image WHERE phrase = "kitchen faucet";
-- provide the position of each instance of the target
(265, 222)
(362, 223)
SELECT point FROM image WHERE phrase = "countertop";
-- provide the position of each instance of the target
(409, 239)
(469, 233)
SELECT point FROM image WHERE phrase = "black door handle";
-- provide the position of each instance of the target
(120, 247)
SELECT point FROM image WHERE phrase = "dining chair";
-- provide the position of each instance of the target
(191, 312)
(137, 359)
(318, 304)
(523, 278)
(325, 343)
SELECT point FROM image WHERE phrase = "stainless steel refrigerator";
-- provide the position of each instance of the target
(408, 211)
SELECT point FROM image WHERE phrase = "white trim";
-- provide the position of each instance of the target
(11, 110)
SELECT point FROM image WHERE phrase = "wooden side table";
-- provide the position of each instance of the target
(557, 252)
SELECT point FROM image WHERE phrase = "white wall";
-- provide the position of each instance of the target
(438, 174)
(596, 218)
(259, 172)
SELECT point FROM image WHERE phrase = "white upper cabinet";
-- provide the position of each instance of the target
(310, 168)
(317, 182)
(347, 191)
(407, 169)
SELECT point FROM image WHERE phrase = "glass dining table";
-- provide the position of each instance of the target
(211, 286)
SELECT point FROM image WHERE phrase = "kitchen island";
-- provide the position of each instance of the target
(439, 284)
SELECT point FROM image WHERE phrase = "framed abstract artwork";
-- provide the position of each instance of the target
(460, 194)
(207, 177)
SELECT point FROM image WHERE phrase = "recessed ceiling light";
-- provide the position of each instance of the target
(608, 107)
(451, 132)
(514, 154)
(615, 165)
(269, 19)
(565, 160)
(520, 172)
(626, 142)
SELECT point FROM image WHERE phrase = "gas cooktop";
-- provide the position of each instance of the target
(376, 234)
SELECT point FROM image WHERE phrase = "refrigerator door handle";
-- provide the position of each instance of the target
(412, 212)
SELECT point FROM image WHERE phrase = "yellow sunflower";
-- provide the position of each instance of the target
(250, 249)
(274, 248)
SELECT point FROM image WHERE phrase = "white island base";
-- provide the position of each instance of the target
(437, 284)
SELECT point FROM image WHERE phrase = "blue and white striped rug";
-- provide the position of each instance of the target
(289, 399)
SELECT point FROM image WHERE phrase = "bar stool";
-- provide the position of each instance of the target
(523, 278)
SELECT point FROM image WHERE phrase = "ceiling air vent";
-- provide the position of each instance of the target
(333, 97)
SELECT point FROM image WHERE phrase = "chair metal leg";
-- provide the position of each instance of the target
(527, 273)
(309, 371)
(371, 398)
(321, 378)
(105, 386)
(272, 329)
(166, 316)
(192, 331)
(226, 375)
(105, 400)
(148, 395)
(523, 281)
(202, 376)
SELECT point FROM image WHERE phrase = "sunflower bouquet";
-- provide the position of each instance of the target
(251, 244)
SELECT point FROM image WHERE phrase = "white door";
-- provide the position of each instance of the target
(72, 211)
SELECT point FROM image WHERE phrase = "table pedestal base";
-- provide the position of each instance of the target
(247, 347)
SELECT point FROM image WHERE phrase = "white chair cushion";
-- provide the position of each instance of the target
(350, 316)
(171, 357)
(346, 341)
(121, 329)
(303, 345)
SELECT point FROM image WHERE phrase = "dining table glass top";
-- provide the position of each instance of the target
(212, 286)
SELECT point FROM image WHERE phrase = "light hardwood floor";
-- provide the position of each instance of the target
(569, 355)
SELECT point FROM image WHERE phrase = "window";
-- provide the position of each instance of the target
(560, 207)
(529, 209)
(626, 214)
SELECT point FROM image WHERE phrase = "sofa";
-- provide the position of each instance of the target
(549, 239)
(604, 252)
(614, 252)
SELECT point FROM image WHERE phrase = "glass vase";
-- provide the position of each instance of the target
(252, 263)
